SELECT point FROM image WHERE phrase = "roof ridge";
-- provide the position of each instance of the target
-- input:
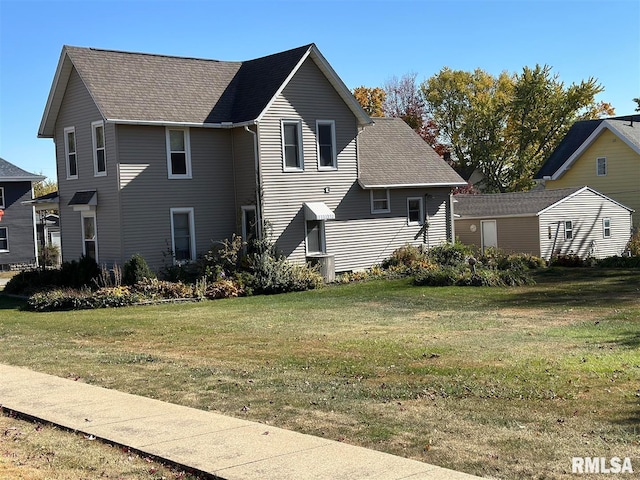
(147, 54)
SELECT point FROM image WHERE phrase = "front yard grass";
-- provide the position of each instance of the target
(498, 382)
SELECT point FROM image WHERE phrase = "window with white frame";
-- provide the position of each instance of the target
(70, 152)
(315, 237)
(4, 239)
(183, 242)
(1, 197)
(326, 139)
(292, 145)
(178, 153)
(568, 229)
(249, 223)
(415, 211)
(99, 154)
(601, 166)
(606, 227)
(380, 202)
(89, 235)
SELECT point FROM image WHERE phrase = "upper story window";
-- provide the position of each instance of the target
(326, 138)
(606, 227)
(1, 197)
(380, 202)
(178, 153)
(415, 211)
(292, 145)
(70, 152)
(568, 229)
(601, 166)
(4, 239)
(99, 156)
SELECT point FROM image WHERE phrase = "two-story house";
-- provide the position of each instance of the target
(603, 154)
(17, 220)
(158, 154)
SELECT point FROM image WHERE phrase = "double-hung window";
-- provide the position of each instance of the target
(568, 229)
(178, 153)
(70, 152)
(183, 241)
(292, 145)
(4, 239)
(606, 227)
(415, 211)
(380, 202)
(89, 235)
(99, 156)
(326, 139)
(601, 166)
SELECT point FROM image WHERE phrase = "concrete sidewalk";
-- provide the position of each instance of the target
(228, 448)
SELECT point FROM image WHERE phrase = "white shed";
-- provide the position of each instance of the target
(570, 221)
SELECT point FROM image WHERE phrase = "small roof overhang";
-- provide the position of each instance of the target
(84, 201)
(318, 211)
(50, 201)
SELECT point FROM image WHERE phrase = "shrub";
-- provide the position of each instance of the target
(633, 247)
(154, 289)
(440, 277)
(135, 270)
(270, 273)
(449, 254)
(48, 256)
(619, 262)
(569, 260)
(405, 256)
(79, 273)
(224, 289)
(33, 281)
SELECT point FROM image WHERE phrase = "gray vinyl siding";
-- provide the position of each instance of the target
(244, 170)
(19, 221)
(586, 210)
(357, 238)
(78, 110)
(147, 194)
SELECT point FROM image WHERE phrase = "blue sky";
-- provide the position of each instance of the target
(366, 41)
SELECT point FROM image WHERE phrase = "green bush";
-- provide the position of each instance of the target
(270, 273)
(439, 277)
(569, 260)
(135, 270)
(33, 281)
(154, 289)
(633, 247)
(79, 273)
(405, 256)
(619, 262)
(450, 254)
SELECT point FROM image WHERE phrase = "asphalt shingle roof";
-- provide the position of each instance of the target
(9, 172)
(508, 204)
(390, 153)
(579, 133)
(160, 88)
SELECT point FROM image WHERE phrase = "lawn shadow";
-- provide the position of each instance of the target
(10, 302)
(570, 287)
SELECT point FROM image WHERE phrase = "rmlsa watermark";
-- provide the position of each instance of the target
(601, 465)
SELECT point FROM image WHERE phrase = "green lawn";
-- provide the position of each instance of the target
(503, 382)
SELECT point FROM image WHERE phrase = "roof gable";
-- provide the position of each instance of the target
(157, 89)
(11, 173)
(581, 135)
(391, 154)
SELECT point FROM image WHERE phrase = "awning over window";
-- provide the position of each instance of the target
(318, 211)
(86, 200)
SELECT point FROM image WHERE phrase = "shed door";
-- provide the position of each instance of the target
(489, 234)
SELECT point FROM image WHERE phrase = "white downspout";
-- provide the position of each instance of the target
(258, 178)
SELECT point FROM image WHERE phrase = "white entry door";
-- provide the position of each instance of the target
(489, 234)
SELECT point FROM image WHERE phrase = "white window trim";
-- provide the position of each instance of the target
(420, 215)
(89, 214)
(2, 197)
(192, 233)
(323, 239)
(249, 208)
(6, 229)
(568, 229)
(187, 147)
(604, 227)
(300, 167)
(94, 139)
(68, 130)
(385, 210)
(598, 165)
(334, 153)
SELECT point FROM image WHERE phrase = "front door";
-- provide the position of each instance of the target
(489, 234)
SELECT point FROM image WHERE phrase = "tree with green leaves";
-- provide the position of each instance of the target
(506, 126)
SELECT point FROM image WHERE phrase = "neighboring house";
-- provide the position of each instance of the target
(568, 221)
(47, 223)
(17, 223)
(159, 154)
(604, 154)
